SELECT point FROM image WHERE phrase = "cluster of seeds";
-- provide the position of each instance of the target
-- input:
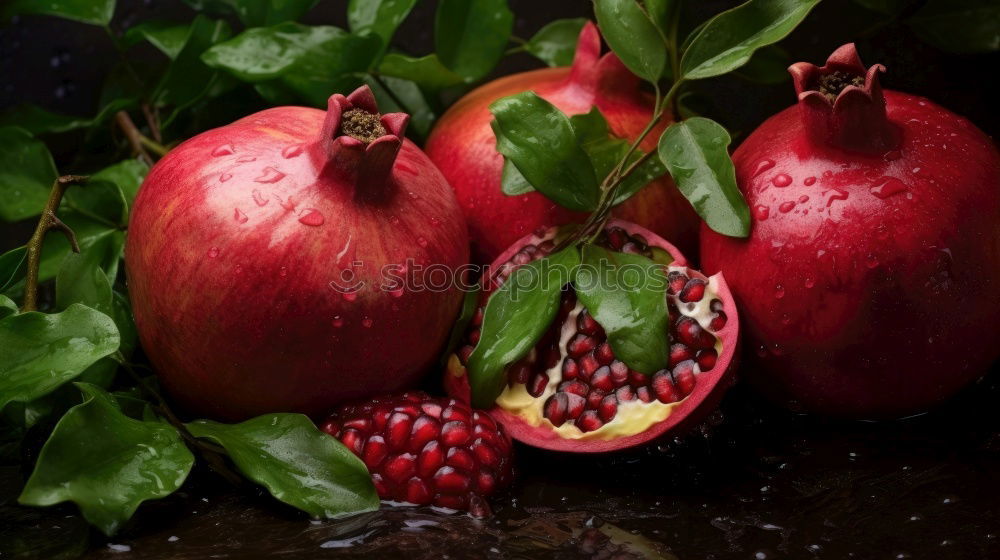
(592, 382)
(425, 450)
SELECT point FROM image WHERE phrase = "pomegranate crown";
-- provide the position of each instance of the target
(356, 138)
(842, 103)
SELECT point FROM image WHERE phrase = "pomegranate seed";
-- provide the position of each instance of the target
(460, 458)
(589, 421)
(447, 479)
(425, 429)
(608, 408)
(522, 257)
(631, 248)
(663, 386)
(679, 353)
(616, 237)
(484, 453)
(556, 408)
(546, 247)
(676, 282)
(706, 359)
(538, 384)
(575, 405)
(519, 373)
(432, 409)
(718, 321)
(588, 365)
(431, 458)
(477, 317)
(400, 468)
(624, 394)
(380, 486)
(398, 430)
(604, 354)
(485, 482)
(619, 372)
(452, 501)
(352, 440)
(379, 418)
(602, 379)
(455, 433)
(575, 387)
(637, 378)
(693, 291)
(580, 344)
(485, 420)
(362, 424)
(331, 427)
(586, 324)
(639, 240)
(644, 394)
(417, 492)
(464, 353)
(690, 332)
(570, 369)
(454, 412)
(375, 452)
(474, 337)
(594, 398)
(684, 376)
(478, 506)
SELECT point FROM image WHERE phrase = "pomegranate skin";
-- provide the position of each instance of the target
(868, 286)
(463, 146)
(234, 240)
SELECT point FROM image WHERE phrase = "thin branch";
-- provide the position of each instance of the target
(153, 121)
(134, 136)
(47, 222)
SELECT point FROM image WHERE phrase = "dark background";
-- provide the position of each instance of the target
(756, 483)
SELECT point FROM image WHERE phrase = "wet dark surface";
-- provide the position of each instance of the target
(762, 484)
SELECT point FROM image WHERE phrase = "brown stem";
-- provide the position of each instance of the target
(213, 454)
(153, 121)
(48, 221)
(134, 136)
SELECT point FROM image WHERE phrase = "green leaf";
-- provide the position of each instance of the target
(13, 267)
(83, 277)
(380, 17)
(106, 462)
(187, 78)
(633, 37)
(470, 302)
(695, 152)
(26, 174)
(516, 317)
(7, 306)
(128, 175)
(36, 120)
(102, 201)
(94, 12)
(729, 39)
(426, 71)
(540, 140)
(297, 463)
(388, 90)
(56, 247)
(512, 183)
(959, 26)
(663, 14)
(555, 44)
(168, 37)
(256, 13)
(470, 36)
(769, 65)
(39, 352)
(627, 295)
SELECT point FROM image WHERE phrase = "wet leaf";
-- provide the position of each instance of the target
(515, 318)
(13, 267)
(94, 12)
(380, 17)
(167, 36)
(26, 174)
(36, 120)
(769, 65)
(729, 39)
(633, 37)
(188, 78)
(470, 36)
(256, 13)
(695, 152)
(389, 90)
(106, 462)
(127, 175)
(470, 302)
(39, 351)
(539, 139)
(83, 277)
(627, 295)
(555, 44)
(512, 183)
(959, 26)
(426, 71)
(296, 462)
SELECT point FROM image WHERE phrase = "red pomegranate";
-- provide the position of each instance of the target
(869, 282)
(463, 145)
(256, 260)
(427, 451)
(570, 393)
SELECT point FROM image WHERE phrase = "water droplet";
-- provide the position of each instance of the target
(916, 169)
(833, 195)
(762, 351)
(803, 199)
(413, 195)
(888, 186)
(367, 322)
(223, 150)
(779, 292)
(882, 231)
(350, 296)
(828, 174)
(213, 252)
(761, 212)
(394, 220)
(820, 253)
(239, 216)
(435, 221)
(283, 271)
(785, 319)
(421, 241)
(338, 321)
(225, 177)
(891, 155)
(782, 180)
(763, 166)
(245, 159)
(809, 181)
(291, 151)
(398, 292)
(270, 175)
(871, 260)
(786, 207)
(311, 217)
(809, 282)
(259, 198)
(238, 269)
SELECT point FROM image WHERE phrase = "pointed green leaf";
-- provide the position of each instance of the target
(256, 13)
(167, 36)
(470, 36)
(380, 17)
(128, 175)
(633, 37)
(26, 174)
(695, 152)
(296, 462)
(106, 462)
(426, 71)
(188, 78)
(94, 12)
(512, 183)
(555, 44)
(959, 26)
(13, 267)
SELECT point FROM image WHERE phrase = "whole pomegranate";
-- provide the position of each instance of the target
(571, 393)
(424, 450)
(463, 145)
(256, 260)
(869, 282)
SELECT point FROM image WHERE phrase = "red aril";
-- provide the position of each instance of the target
(571, 393)
(247, 245)
(463, 145)
(869, 283)
(427, 451)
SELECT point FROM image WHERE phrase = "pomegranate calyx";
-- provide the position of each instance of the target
(842, 104)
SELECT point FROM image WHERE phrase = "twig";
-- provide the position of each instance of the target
(134, 136)
(47, 222)
(153, 121)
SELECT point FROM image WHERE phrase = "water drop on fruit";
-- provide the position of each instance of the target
(761, 212)
(223, 150)
(809, 181)
(311, 217)
(338, 321)
(779, 292)
(367, 322)
(270, 175)
(239, 216)
(888, 186)
(225, 177)
(763, 166)
(781, 180)
(291, 151)
(786, 207)
(213, 252)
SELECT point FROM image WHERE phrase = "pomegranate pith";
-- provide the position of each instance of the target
(571, 393)
(427, 451)
(463, 145)
(875, 245)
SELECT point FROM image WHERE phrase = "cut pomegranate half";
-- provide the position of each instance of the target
(571, 393)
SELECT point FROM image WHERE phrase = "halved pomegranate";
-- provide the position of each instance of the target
(571, 393)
